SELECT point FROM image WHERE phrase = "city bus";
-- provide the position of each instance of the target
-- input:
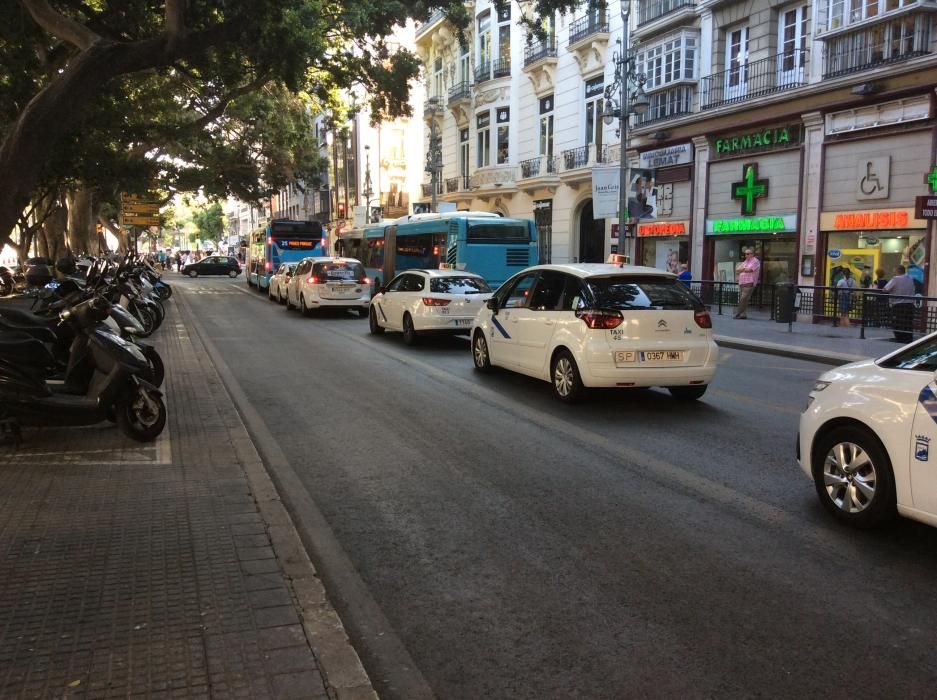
(486, 244)
(350, 243)
(281, 241)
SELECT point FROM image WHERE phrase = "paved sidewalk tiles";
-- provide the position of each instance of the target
(129, 569)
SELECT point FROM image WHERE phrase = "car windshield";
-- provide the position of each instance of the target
(641, 292)
(922, 357)
(338, 270)
(459, 285)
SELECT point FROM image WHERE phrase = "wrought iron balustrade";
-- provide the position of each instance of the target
(538, 50)
(460, 91)
(595, 22)
(649, 11)
(747, 81)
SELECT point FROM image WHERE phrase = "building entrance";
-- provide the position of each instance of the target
(591, 236)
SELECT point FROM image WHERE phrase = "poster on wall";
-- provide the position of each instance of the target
(605, 182)
(642, 196)
(668, 257)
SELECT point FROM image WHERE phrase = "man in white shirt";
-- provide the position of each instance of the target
(901, 287)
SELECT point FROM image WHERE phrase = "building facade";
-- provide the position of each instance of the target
(802, 129)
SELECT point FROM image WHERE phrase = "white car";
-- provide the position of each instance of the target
(277, 287)
(598, 325)
(865, 437)
(428, 301)
(328, 282)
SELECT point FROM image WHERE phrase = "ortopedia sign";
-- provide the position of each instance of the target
(663, 228)
(680, 154)
(877, 219)
(780, 223)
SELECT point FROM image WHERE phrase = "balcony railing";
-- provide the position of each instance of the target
(668, 104)
(501, 68)
(785, 71)
(595, 22)
(427, 188)
(649, 10)
(535, 167)
(460, 183)
(482, 72)
(460, 91)
(432, 105)
(538, 50)
(879, 44)
(579, 157)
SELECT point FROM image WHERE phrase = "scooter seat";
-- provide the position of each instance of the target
(41, 333)
(24, 318)
(20, 348)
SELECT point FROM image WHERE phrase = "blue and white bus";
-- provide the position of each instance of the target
(486, 244)
(281, 241)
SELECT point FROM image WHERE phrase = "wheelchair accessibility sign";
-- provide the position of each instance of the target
(872, 176)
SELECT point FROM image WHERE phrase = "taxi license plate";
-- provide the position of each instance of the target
(661, 356)
(462, 322)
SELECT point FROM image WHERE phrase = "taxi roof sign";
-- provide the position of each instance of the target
(618, 259)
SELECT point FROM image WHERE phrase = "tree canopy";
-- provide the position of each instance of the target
(211, 95)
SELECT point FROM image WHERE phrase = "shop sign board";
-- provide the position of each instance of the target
(605, 185)
(870, 220)
(680, 154)
(767, 139)
(129, 219)
(779, 223)
(663, 228)
(925, 207)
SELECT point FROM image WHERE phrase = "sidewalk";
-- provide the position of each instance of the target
(167, 570)
(820, 342)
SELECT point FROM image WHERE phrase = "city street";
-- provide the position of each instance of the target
(511, 547)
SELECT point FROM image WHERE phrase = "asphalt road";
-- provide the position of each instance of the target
(631, 546)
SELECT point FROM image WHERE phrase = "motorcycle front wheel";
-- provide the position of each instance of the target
(158, 372)
(141, 414)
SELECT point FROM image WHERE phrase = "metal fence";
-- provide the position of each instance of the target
(859, 308)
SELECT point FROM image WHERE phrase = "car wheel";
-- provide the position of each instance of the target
(289, 304)
(565, 379)
(279, 296)
(409, 332)
(302, 305)
(687, 393)
(853, 477)
(232, 273)
(193, 273)
(480, 355)
(373, 326)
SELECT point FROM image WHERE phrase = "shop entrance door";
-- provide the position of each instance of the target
(591, 236)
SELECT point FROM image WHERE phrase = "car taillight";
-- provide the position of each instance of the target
(703, 320)
(312, 280)
(429, 301)
(601, 320)
(269, 266)
(364, 280)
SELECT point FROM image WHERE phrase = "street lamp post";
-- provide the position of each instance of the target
(368, 190)
(434, 155)
(628, 102)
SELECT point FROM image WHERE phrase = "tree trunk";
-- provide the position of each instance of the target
(81, 233)
(52, 235)
(123, 244)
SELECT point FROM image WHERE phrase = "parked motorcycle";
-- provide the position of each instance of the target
(110, 369)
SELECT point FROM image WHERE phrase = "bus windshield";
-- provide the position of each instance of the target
(496, 231)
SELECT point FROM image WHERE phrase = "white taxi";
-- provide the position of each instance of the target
(276, 290)
(328, 282)
(865, 437)
(598, 325)
(428, 301)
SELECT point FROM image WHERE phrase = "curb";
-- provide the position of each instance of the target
(795, 352)
(338, 660)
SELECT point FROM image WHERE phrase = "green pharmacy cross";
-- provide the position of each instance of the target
(749, 189)
(932, 179)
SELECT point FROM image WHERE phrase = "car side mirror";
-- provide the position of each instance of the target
(492, 304)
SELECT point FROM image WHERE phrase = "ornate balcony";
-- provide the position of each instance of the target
(460, 101)
(588, 39)
(540, 172)
(869, 45)
(493, 180)
(427, 188)
(654, 16)
(540, 65)
(754, 79)
(482, 72)
(667, 104)
(577, 162)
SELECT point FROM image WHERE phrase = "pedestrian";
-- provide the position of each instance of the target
(901, 302)
(880, 280)
(845, 285)
(748, 271)
(865, 281)
(685, 275)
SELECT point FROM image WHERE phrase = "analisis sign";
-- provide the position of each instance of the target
(876, 219)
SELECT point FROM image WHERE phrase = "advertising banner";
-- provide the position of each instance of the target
(605, 183)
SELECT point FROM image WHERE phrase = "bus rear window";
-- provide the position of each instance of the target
(498, 232)
(336, 271)
(458, 285)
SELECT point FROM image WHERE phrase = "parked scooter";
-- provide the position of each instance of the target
(111, 369)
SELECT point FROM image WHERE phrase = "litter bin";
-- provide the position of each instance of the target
(785, 295)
